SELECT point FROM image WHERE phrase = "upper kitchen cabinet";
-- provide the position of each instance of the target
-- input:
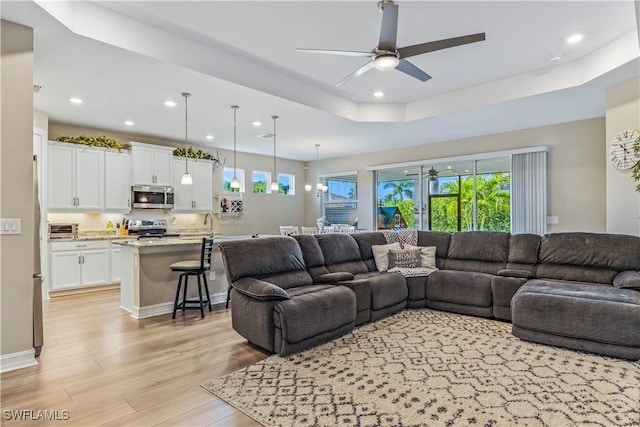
(197, 197)
(75, 178)
(117, 190)
(152, 164)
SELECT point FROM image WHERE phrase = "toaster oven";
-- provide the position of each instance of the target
(63, 231)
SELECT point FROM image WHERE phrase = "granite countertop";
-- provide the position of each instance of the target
(161, 242)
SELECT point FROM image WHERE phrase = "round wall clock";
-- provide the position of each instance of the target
(621, 149)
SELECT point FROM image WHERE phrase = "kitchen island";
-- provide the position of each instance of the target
(148, 286)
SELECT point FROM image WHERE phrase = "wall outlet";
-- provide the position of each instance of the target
(552, 220)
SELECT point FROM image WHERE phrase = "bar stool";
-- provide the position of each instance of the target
(194, 268)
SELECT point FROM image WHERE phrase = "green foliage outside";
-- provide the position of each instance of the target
(259, 187)
(493, 203)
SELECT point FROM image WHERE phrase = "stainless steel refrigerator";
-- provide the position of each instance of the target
(37, 273)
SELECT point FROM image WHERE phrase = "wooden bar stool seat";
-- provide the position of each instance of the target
(198, 269)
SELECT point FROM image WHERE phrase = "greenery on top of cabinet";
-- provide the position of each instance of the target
(93, 141)
(199, 154)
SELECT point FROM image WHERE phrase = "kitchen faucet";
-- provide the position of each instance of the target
(208, 214)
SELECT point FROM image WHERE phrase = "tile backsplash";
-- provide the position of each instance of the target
(98, 221)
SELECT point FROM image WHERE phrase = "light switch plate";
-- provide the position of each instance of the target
(10, 226)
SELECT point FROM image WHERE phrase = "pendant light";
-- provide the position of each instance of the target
(274, 182)
(235, 183)
(318, 182)
(186, 177)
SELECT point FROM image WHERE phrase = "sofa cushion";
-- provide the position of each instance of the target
(381, 254)
(523, 248)
(405, 258)
(460, 287)
(615, 252)
(524, 274)
(491, 246)
(365, 242)
(260, 290)
(341, 253)
(312, 254)
(485, 267)
(579, 310)
(575, 273)
(314, 310)
(439, 239)
(627, 279)
(339, 276)
(387, 289)
(276, 260)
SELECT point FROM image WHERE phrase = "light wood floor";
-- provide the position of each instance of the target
(106, 368)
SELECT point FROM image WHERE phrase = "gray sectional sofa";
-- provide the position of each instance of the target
(577, 290)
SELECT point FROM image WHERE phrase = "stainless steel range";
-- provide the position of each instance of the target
(149, 228)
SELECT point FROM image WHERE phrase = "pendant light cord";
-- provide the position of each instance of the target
(186, 127)
(235, 110)
(274, 148)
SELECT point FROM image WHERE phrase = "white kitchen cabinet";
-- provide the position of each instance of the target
(152, 164)
(75, 178)
(117, 166)
(197, 197)
(116, 265)
(78, 264)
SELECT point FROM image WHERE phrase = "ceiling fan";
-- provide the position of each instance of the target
(387, 56)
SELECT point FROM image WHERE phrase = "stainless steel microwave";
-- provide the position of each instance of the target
(151, 197)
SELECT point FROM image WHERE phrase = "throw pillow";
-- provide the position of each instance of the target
(381, 254)
(627, 279)
(428, 255)
(405, 258)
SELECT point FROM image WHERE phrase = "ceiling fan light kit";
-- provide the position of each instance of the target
(388, 56)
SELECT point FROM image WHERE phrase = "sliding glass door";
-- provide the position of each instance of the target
(469, 195)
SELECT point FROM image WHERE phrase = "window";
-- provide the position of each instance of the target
(228, 176)
(340, 202)
(451, 196)
(261, 181)
(287, 183)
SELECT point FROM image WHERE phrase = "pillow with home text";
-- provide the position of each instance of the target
(405, 258)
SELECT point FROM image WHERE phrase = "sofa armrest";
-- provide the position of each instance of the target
(627, 279)
(260, 290)
(522, 274)
(340, 276)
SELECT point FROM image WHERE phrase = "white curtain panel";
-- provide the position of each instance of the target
(529, 193)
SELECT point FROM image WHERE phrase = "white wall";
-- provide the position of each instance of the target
(576, 170)
(623, 202)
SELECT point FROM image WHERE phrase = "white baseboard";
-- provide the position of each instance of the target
(13, 361)
(167, 307)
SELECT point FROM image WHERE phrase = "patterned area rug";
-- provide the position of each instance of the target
(431, 368)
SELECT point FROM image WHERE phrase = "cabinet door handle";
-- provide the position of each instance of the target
(77, 201)
(81, 246)
(79, 259)
(83, 259)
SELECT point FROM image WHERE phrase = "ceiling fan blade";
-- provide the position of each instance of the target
(389, 29)
(418, 49)
(360, 71)
(335, 52)
(410, 69)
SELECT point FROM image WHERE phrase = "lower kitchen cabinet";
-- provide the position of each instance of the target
(79, 263)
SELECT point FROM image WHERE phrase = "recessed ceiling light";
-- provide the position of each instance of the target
(378, 94)
(170, 103)
(209, 136)
(448, 167)
(256, 123)
(467, 170)
(576, 38)
(129, 123)
(75, 100)
(555, 58)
